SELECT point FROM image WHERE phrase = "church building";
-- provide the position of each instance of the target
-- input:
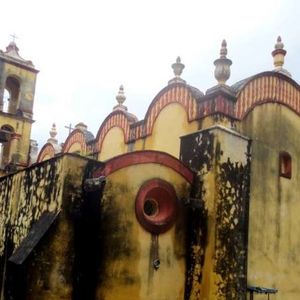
(198, 200)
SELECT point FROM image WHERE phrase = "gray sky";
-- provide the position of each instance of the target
(86, 49)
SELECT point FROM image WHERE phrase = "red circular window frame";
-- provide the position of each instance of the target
(165, 195)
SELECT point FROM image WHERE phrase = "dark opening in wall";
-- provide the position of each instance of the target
(285, 165)
(12, 85)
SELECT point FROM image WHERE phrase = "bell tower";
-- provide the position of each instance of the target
(17, 88)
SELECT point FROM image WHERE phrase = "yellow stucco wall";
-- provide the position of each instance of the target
(23, 128)
(113, 144)
(76, 148)
(170, 124)
(26, 79)
(128, 272)
(274, 232)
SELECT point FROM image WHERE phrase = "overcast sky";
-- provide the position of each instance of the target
(86, 49)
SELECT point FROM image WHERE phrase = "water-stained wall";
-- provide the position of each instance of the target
(217, 247)
(44, 270)
(127, 270)
(274, 240)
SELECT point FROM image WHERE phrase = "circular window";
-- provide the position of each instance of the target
(156, 206)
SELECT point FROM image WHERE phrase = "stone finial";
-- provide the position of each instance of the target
(53, 131)
(177, 67)
(223, 51)
(279, 44)
(222, 70)
(278, 57)
(53, 134)
(121, 99)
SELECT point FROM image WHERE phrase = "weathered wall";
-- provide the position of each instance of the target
(21, 144)
(274, 239)
(218, 219)
(127, 271)
(25, 101)
(27, 84)
(51, 186)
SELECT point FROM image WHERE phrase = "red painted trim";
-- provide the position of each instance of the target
(98, 142)
(130, 133)
(44, 152)
(16, 136)
(159, 97)
(145, 157)
(259, 103)
(268, 74)
(68, 143)
(242, 110)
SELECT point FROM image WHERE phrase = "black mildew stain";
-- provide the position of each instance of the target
(85, 213)
(232, 227)
(35, 190)
(197, 152)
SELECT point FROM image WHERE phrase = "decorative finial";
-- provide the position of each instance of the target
(53, 131)
(279, 44)
(223, 51)
(177, 67)
(121, 99)
(278, 57)
(222, 70)
(53, 134)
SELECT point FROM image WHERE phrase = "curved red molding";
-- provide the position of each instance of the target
(144, 157)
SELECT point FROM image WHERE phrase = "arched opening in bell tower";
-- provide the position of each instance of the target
(5, 100)
(12, 88)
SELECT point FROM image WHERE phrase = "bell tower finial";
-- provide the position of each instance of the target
(222, 70)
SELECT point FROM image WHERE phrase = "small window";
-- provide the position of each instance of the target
(285, 165)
